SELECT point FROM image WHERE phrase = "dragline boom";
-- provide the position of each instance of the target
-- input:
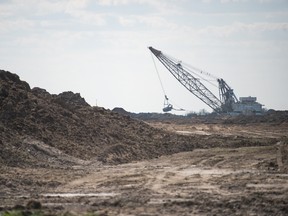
(188, 81)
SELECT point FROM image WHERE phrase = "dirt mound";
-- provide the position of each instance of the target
(120, 110)
(68, 123)
(70, 100)
(272, 117)
(35, 125)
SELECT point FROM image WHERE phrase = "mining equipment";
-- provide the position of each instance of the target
(227, 101)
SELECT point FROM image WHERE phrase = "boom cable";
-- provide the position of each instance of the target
(166, 98)
(158, 75)
(196, 71)
(193, 69)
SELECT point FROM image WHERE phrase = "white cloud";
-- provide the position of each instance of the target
(31, 13)
(7, 26)
(28, 14)
(161, 6)
(125, 2)
(115, 2)
(228, 1)
(228, 30)
(88, 17)
(152, 21)
(206, 1)
(40, 7)
(237, 1)
(126, 21)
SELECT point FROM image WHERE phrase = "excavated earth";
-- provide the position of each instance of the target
(60, 156)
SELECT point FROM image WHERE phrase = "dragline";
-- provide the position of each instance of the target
(227, 100)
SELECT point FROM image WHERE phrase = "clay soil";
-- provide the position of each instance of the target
(124, 166)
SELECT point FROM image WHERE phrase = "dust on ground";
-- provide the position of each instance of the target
(58, 154)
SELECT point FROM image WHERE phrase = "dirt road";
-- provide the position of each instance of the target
(214, 181)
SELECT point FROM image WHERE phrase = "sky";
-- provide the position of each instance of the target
(99, 48)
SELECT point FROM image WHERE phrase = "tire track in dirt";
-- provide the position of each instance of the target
(166, 176)
(204, 181)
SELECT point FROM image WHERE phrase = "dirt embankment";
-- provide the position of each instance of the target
(35, 124)
(30, 118)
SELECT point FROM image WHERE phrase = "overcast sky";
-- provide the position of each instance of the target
(99, 48)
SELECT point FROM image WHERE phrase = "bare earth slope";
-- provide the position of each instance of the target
(67, 123)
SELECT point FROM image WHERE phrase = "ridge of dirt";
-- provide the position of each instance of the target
(68, 123)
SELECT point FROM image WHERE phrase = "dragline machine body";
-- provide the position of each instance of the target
(227, 101)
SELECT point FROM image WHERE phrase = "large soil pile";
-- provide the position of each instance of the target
(40, 129)
(36, 125)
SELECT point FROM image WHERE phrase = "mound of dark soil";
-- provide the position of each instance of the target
(68, 123)
(41, 129)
